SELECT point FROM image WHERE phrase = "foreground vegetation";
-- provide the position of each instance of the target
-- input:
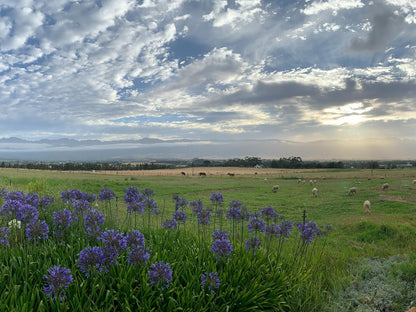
(292, 274)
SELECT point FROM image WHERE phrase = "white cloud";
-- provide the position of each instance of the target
(333, 6)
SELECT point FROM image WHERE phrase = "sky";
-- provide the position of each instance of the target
(328, 79)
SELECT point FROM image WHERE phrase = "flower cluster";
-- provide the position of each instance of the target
(180, 216)
(222, 249)
(256, 225)
(92, 221)
(197, 206)
(309, 231)
(62, 219)
(57, 280)
(170, 224)
(160, 274)
(138, 256)
(252, 244)
(37, 230)
(106, 194)
(269, 213)
(204, 217)
(114, 240)
(218, 234)
(4, 232)
(211, 281)
(135, 239)
(91, 260)
(216, 198)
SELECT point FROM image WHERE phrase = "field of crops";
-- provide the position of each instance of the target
(171, 241)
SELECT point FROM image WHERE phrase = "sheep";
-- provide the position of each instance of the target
(352, 191)
(275, 188)
(414, 182)
(367, 205)
(310, 182)
(385, 186)
(315, 192)
(299, 181)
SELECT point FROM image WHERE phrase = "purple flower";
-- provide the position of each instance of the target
(222, 249)
(81, 205)
(148, 192)
(132, 194)
(197, 206)
(269, 213)
(210, 280)
(252, 243)
(57, 280)
(62, 219)
(106, 194)
(272, 230)
(308, 231)
(180, 216)
(37, 230)
(217, 198)
(170, 224)
(160, 273)
(114, 239)
(136, 206)
(135, 239)
(285, 228)
(204, 217)
(138, 256)
(14, 195)
(218, 234)
(233, 213)
(181, 203)
(257, 225)
(91, 260)
(4, 233)
(45, 201)
(10, 207)
(32, 199)
(27, 213)
(92, 221)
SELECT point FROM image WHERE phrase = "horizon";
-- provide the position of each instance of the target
(331, 79)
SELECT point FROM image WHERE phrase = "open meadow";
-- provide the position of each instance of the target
(176, 240)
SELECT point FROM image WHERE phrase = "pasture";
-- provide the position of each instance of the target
(254, 281)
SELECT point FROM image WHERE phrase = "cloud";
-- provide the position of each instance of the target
(384, 27)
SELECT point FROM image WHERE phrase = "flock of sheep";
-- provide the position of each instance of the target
(351, 191)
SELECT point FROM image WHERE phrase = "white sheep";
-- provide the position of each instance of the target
(414, 182)
(352, 191)
(367, 205)
(299, 181)
(385, 186)
(315, 192)
(275, 188)
(310, 182)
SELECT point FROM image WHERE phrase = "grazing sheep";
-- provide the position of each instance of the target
(414, 182)
(315, 192)
(367, 207)
(352, 191)
(299, 181)
(275, 188)
(303, 181)
(385, 186)
(310, 182)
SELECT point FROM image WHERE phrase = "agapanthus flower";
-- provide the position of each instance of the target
(217, 198)
(37, 230)
(233, 213)
(269, 213)
(148, 192)
(32, 199)
(181, 203)
(136, 206)
(106, 194)
(197, 206)
(14, 195)
(4, 233)
(66, 196)
(308, 231)
(210, 280)
(256, 225)
(160, 274)
(10, 207)
(180, 216)
(92, 221)
(46, 201)
(170, 224)
(91, 260)
(149, 204)
(138, 256)
(81, 205)
(285, 228)
(218, 234)
(62, 219)
(252, 244)
(221, 248)
(204, 217)
(131, 195)
(272, 230)
(27, 213)
(114, 239)
(135, 239)
(156, 211)
(57, 280)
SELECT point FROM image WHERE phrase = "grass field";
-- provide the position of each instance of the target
(388, 231)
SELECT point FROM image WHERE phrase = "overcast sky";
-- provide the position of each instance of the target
(334, 78)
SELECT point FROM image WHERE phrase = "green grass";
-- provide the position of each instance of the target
(267, 283)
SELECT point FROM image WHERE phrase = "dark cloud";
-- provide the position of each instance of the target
(385, 26)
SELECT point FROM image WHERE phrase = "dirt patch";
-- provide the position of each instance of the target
(397, 198)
